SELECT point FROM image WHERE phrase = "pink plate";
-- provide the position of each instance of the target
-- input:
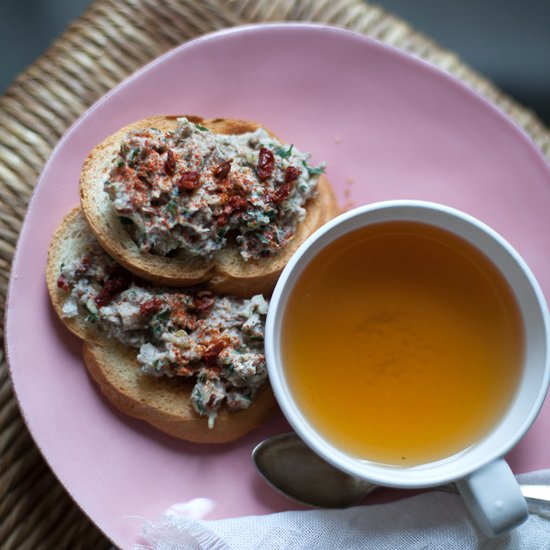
(388, 125)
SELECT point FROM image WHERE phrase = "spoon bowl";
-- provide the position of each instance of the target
(294, 470)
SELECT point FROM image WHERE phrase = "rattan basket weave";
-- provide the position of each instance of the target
(109, 42)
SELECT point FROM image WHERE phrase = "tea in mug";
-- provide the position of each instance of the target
(402, 343)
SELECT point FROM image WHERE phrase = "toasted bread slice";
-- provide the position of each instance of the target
(227, 272)
(165, 403)
(70, 239)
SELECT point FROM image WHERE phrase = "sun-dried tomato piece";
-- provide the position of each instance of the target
(222, 170)
(212, 351)
(223, 218)
(84, 265)
(191, 323)
(292, 174)
(150, 306)
(118, 281)
(214, 399)
(180, 366)
(234, 204)
(266, 164)
(63, 284)
(189, 181)
(203, 300)
(237, 203)
(170, 163)
(182, 370)
(179, 313)
(281, 193)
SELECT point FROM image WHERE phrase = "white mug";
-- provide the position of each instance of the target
(483, 478)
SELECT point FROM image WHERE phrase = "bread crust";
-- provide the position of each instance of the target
(164, 403)
(227, 272)
(70, 237)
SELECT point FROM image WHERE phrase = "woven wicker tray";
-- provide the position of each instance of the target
(109, 42)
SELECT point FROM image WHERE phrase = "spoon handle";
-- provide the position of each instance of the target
(534, 494)
(537, 494)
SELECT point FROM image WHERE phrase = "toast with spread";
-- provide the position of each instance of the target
(187, 361)
(182, 201)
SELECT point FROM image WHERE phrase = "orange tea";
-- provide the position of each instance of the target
(402, 343)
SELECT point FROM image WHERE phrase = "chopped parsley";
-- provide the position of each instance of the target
(163, 315)
(172, 208)
(284, 153)
(314, 171)
(263, 239)
(93, 313)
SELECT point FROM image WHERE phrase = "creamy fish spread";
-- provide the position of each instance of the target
(215, 341)
(193, 190)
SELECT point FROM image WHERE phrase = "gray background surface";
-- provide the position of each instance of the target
(507, 41)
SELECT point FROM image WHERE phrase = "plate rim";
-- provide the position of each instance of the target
(366, 41)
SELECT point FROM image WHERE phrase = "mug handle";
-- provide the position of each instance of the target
(493, 497)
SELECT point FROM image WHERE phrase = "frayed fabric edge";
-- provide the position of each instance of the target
(179, 534)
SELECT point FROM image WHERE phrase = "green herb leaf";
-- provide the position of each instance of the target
(315, 171)
(93, 312)
(134, 152)
(201, 128)
(284, 153)
(172, 208)
(163, 315)
(229, 369)
(263, 239)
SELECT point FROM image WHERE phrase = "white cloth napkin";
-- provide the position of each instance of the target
(433, 520)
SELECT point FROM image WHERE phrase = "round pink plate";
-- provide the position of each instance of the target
(388, 125)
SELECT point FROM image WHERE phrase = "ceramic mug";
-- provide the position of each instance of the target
(483, 478)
